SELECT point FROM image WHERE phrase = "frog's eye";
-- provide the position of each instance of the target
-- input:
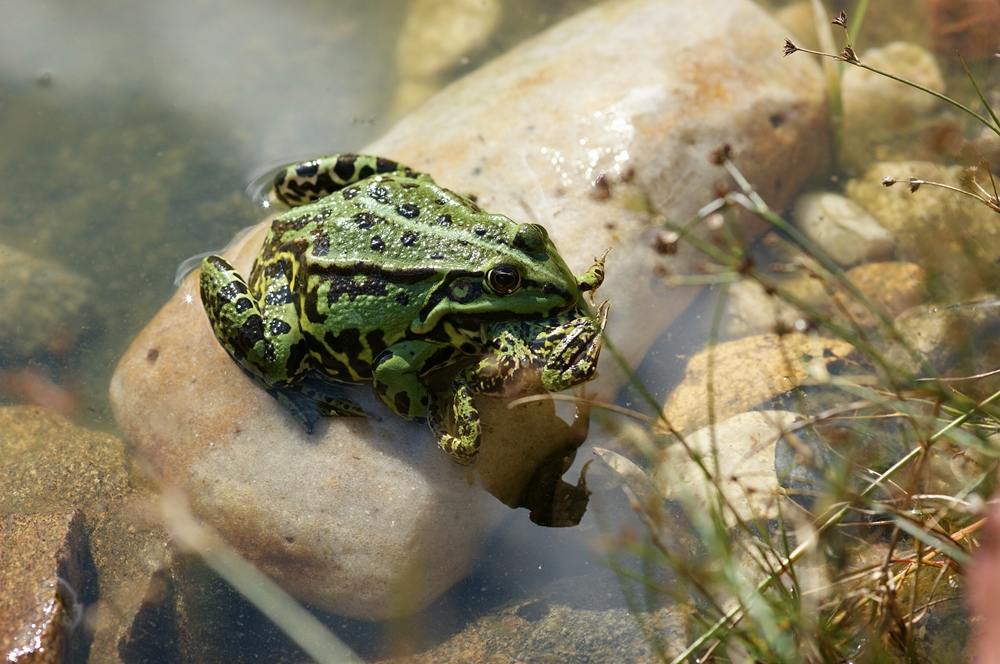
(503, 279)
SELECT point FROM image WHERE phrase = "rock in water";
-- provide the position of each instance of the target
(589, 129)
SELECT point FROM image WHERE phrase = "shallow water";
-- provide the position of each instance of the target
(129, 132)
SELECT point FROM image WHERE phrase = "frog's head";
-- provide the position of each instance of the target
(527, 279)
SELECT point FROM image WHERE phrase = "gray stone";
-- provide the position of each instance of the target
(841, 228)
(43, 306)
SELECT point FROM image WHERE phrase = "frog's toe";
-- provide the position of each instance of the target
(305, 410)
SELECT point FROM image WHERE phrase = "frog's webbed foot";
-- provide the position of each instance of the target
(457, 429)
(312, 399)
(309, 181)
(572, 350)
(591, 280)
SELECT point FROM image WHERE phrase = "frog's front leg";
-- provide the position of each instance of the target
(398, 373)
(461, 439)
(592, 279)
(310, 181)
(264, 337)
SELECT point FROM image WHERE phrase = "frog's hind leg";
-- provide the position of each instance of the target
(264, 337)
(310, 181)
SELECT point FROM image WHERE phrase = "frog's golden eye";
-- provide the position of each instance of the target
(503, 279)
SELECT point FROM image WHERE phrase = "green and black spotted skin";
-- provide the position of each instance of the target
(378, 274)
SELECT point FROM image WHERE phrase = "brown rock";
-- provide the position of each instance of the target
(893, 286)
(50, 465)
(46, 578)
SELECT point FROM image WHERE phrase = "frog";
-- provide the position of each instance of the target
(377, 274)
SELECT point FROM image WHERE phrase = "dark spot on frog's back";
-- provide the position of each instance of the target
(279, 327)
(444, 220)
(377, 244)
(286, 223)
(350, 193)
(321, 246)
(278, 297)
(344, 168)
(408, 210)
(231, 291)
(378, 193)
(410, 238)
(383, 165)
(354, 285)
(366, 220)
(402, 298)
(251, 332)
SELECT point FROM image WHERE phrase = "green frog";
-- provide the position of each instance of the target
(379, 275)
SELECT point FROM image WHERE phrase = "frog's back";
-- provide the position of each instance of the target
(409, 228)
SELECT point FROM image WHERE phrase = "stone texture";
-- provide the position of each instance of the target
(739, 454)
(841, 228)
(50, 465)
(44, 306)
(539, 631)
(745, 373)
(589, 128)
(961, 339)
(954, 238)
(893, 286)
(45, 579)
(884, 118)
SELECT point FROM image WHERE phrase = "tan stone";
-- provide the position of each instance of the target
(43, 573)
(745, 373)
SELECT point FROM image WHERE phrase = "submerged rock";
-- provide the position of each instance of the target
(951, 236)
(43, 306)
(588, 129)
(841, 228)
(739, 454)
(46, 580)
(746, 373)
(884, 118)
(48, 465)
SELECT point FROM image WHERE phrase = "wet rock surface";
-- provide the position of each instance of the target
(619, 105)
(746, 373)
(45, 306)
(841, 228)
(883, 113)
(744, 447)
(51, 466)
(47, 579)
(953, 238)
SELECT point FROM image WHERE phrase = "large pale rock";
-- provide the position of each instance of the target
(588, 129)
